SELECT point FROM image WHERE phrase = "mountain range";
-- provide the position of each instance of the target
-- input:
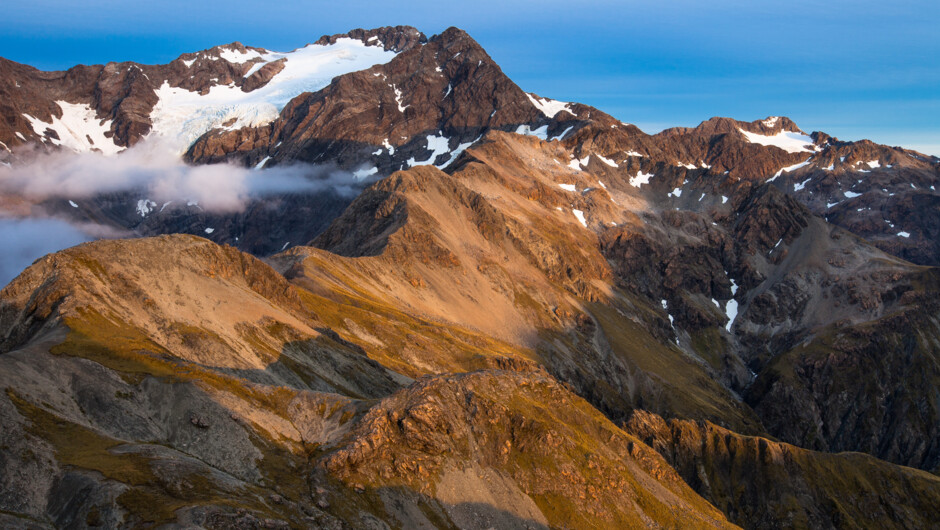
(495, 309)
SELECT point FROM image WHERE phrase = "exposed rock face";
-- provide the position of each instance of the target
(867, 387)
(396, 39)
(448, 92)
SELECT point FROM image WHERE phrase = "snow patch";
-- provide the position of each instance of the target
(239, 57)
(79, 129)
(904, 234)
(790, 142)
(563, 133)
(457, 151)
(771, 121)
(800, 185)
(568, 187)
(437, 144)
(640, 179)
(264, 161)
(607, 161)
(874, 164)
(731, 311)
(72, 203)
(144, 207)
(852, 194)
(401, 108)
(210, 230)
(789, 169)
(254, 68)
(541, 133)
(580, 215)
(549, 107)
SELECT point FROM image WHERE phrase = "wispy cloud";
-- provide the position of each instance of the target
(157, 171)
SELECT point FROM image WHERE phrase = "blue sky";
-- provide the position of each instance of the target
(856, 70)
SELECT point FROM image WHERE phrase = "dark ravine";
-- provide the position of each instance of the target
(536, 316)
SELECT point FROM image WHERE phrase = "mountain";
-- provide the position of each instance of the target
(220, 388)
(353, 100)
(529, 314)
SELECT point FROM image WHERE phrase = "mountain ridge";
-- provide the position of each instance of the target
(531, 315)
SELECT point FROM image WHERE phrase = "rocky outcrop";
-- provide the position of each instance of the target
(545, 455)
(868, 387)
(390, 38)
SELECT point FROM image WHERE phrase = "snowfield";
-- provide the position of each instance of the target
(79, 129)
(181, 116)
(790, 142)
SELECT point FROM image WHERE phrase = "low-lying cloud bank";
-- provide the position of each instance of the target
(155, 169)
(150, 168)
